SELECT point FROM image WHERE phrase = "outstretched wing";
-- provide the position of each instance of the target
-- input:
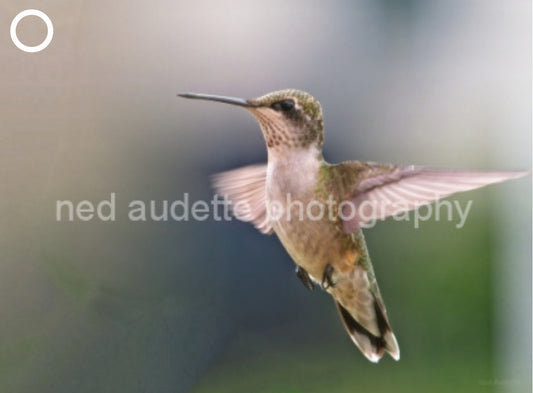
(396, 190)
(245, 189)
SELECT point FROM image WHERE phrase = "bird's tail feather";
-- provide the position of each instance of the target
(371, 345)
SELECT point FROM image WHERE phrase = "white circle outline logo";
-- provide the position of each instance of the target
(49, 29)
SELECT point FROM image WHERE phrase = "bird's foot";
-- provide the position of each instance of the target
(304, 278)
(327, 280)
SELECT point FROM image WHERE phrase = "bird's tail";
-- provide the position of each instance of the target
(361, 308)
(372, 345)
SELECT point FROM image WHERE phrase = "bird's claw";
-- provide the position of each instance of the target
(327, 280)
(304, 278)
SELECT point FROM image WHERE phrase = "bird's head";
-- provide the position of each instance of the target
(289, 119)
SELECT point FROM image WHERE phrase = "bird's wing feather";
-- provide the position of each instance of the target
(404, 189)
(245, 189)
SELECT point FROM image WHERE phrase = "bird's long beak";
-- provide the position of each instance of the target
(226, 100)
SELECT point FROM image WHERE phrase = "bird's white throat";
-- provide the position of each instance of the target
(292, 171)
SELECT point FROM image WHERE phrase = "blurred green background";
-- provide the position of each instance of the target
(215, 306)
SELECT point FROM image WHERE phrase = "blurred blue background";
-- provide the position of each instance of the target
(215, 306)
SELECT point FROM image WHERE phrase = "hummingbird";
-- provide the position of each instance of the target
(329, 250)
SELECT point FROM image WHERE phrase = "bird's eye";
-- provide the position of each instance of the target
(284, 105)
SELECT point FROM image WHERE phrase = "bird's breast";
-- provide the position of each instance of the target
(312, 237)
(310, 232)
